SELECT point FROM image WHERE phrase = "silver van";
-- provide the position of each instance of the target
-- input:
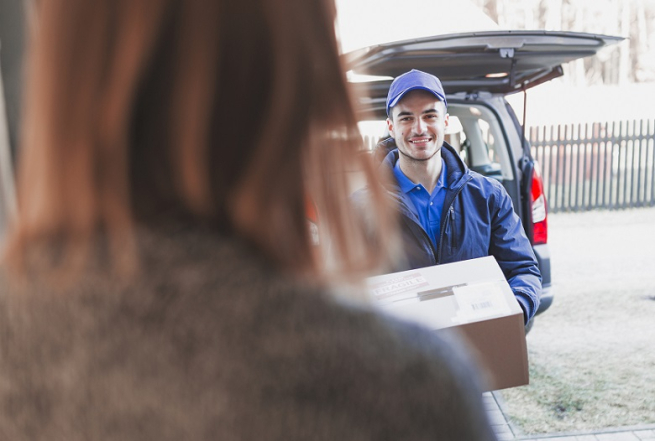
(477, 71)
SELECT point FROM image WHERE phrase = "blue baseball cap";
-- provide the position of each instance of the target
(412, 80)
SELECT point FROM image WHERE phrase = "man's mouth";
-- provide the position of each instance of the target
(420, 140)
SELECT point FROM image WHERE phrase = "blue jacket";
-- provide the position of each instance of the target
(477, 220)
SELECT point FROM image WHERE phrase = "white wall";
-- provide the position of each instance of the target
(559, 103)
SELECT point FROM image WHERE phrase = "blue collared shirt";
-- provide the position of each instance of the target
(427, 206)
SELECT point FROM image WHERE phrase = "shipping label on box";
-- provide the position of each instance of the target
(472, 297)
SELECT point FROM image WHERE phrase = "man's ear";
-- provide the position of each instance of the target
(446, 119)
(390, 127)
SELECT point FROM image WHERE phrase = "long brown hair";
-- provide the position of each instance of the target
(220, 112)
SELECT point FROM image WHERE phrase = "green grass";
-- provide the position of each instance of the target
(584, 392)
(592, 354)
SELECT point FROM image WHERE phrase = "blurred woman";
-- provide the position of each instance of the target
(160, 280)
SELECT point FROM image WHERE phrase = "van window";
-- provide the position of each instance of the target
(475, 132)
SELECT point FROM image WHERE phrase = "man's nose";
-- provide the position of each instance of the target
(419, 126)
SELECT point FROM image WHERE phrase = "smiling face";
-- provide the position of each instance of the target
(418, 124)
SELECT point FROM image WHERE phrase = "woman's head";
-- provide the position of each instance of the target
(223, 113)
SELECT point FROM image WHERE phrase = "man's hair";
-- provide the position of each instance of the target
(226, 114)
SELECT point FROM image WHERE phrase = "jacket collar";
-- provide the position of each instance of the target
(458, 172)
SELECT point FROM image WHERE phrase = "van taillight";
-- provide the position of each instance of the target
(539, 208)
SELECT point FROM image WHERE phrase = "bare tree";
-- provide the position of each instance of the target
(642, 40)
(553, 14)
(624, 49)
(631, 61)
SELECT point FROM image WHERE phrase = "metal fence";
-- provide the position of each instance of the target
(596, 165)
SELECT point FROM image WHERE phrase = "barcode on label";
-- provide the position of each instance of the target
(481, 305)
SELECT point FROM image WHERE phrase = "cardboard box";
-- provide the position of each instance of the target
(471, 296)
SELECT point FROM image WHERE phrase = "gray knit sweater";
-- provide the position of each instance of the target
(211, 344)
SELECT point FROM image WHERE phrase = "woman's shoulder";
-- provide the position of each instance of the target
(209, 323)
(351, 358)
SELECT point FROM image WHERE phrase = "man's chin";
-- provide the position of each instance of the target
(419, 158)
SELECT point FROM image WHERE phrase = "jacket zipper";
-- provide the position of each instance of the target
(434, 252)
(449, 218)
(427, 239)
(451, 215)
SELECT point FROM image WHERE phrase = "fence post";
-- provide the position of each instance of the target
(651, 144)
(596, 165)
